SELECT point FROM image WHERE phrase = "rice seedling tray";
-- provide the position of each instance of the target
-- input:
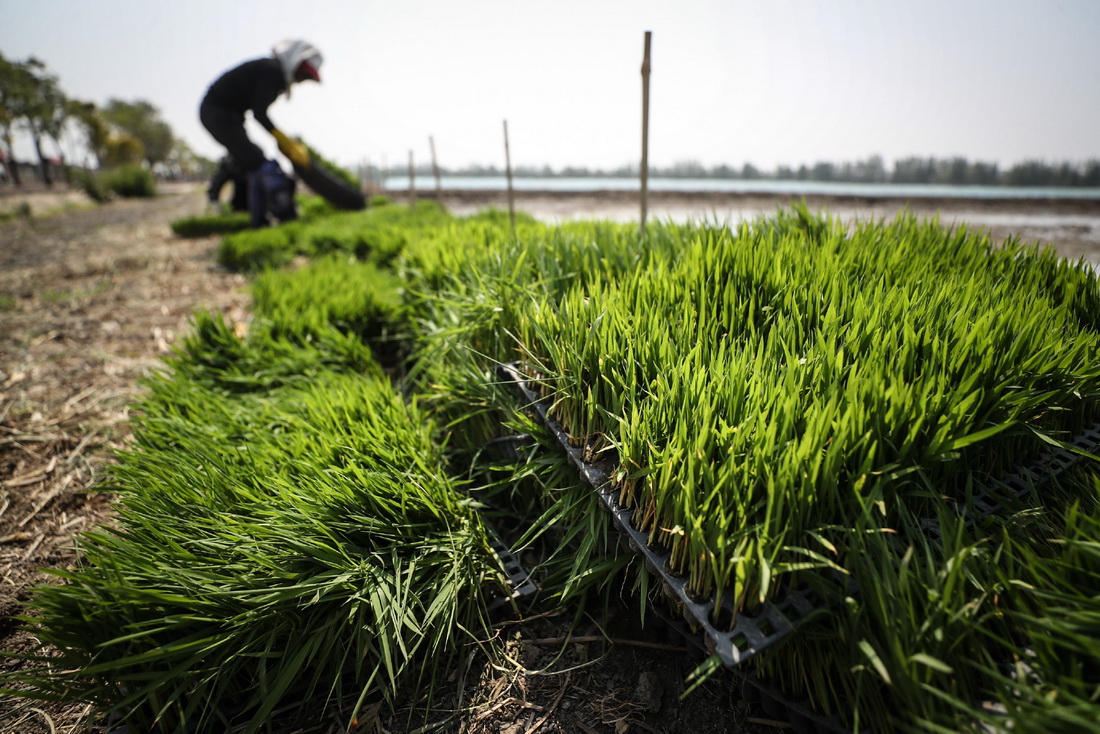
(1047, 467)
(1043, 469)
(736, 637)
(519, 578)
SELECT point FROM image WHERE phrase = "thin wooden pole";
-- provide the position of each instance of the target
(508, 168)
(412, 181)
(645, 131)
(435, 170)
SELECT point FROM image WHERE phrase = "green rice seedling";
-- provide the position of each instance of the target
(205, 226)
(312, 207)
(357, 299)
(818, 397)
(375, 234)
(282, 547)
(892, 656)
(253, 250)
(995, 627)
(786, 403)
(465, 283)
(214, 355)
(782, 401)
(364, 236)
(1049, 596)
(554, 513)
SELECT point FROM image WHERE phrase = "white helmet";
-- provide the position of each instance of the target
(300, 60)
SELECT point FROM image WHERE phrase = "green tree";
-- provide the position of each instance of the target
(142, 120)
(6, 120)
(1090, 175)
(872, 170)
(32, 100)
(53, 110)
(43, 114)
(823, 171)
(123, 149)
(90, 122)
(15, 85)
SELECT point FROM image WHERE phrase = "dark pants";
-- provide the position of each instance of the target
(227, 127)
(228, 172)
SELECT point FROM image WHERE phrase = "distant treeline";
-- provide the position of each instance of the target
(955, 171)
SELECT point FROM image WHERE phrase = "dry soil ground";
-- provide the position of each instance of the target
(92, 298)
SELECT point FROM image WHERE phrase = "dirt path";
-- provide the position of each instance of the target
(90, 301)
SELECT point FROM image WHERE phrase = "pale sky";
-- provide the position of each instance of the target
(769, 82)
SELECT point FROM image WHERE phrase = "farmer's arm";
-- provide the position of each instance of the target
(267, 91)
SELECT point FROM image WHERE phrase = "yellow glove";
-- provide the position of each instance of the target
(292, 149)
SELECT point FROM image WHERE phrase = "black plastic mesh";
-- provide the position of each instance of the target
(1020, 483)
(519, 579)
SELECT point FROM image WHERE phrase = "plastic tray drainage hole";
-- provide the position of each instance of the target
(723, 617)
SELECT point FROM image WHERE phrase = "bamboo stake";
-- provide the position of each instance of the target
(412, 181)
(645, 132)
(508, 168)
(435, 170)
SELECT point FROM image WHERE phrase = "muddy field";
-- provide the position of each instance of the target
(93, 297)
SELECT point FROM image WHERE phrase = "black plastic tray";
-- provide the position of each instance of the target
(519, 578)
(334, 190)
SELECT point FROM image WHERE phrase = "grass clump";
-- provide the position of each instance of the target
(334, 295)
(130, 182)
(253, 250)
(21, 211)
(91, 184)
(205, 226)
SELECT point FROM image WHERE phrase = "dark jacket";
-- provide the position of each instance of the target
(253, 85)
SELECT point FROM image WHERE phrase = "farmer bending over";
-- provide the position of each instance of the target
(254, 85)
